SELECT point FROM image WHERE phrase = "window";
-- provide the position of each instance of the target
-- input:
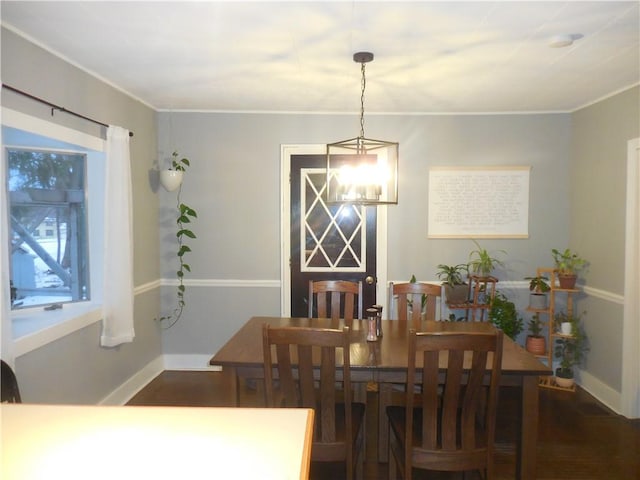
(47, 193)
(33, 327)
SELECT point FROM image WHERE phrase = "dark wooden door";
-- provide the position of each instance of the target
(328, 242)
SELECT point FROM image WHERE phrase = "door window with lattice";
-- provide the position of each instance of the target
(332, 236)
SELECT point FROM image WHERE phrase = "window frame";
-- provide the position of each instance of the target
(31, 328)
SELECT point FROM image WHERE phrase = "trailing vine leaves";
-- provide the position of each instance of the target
(185, 215)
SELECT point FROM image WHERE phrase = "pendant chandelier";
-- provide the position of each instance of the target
(361, 170)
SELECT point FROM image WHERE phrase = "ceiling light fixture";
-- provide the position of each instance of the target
(564, 40)
(361, 170)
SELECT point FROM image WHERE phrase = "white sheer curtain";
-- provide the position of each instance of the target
(5, 297)
(117, 320)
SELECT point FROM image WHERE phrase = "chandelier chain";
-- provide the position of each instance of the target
(363, 86)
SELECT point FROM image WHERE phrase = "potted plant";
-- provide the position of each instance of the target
(482, 262)
(538, 287)
(570, 351)
(455, 288)
(565, 322)
(568, 264)
(171, 178)
(423, 298)
(536, 342)
(503, 314)
(185, 215)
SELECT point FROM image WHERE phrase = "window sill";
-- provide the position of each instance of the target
(35, 328)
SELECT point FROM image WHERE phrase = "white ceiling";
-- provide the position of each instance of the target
(430, 57)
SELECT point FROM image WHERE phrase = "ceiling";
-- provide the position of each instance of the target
(430, 57)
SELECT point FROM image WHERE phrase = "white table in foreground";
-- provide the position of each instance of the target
(99, 442)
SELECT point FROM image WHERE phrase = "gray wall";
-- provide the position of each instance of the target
(234, 184)
(598, 206)
(75, 369)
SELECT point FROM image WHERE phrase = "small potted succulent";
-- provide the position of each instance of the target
(568, 264)
(456, 290)
(538, 287)
(536, 342)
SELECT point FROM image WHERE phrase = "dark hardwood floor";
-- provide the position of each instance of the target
(578, 437)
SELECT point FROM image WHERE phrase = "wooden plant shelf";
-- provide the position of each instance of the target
(550, 382)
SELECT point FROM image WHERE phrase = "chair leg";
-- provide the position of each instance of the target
(361, 449)
(393, 470)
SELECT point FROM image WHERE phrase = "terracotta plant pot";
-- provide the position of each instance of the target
(567, 282)
(536, 345)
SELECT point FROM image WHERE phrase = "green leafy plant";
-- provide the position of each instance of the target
(423, 299)
(482, 262)
(570, 351)
(503, 314)
(567, 262)
(179, 164)
(535, 326)
(452, 274)
(185, 215)
(538, 284)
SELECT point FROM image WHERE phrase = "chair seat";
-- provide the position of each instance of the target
(461, 460)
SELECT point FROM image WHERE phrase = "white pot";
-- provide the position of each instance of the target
(171, 179)
(565, 328)
(564, 382)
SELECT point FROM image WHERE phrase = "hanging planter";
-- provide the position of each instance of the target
(185, 215)
(171, 179)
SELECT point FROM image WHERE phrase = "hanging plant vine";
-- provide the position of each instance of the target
(185, 215)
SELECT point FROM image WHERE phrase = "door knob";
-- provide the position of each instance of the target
(370, 280)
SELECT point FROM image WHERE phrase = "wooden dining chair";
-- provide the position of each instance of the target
(335, 299)
(411, 300)
(307, 364)
(453, 426)
(10, 392)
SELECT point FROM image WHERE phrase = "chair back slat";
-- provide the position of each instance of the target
(305, 376)
(430, 399)
(414, 301)
(328, 395)
(335, 299)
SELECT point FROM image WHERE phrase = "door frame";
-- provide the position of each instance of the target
(286, 152)
(630, 395)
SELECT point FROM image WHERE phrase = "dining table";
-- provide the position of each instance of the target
(99, 442)
(384, 363)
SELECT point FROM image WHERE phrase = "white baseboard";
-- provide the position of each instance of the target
(189, 362)
(126, 391)
(601, 391)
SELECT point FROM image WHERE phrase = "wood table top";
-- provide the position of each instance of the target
(389, 353)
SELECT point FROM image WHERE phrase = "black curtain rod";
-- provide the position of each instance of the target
(55, 107)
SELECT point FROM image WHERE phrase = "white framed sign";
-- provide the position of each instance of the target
(479, 202)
